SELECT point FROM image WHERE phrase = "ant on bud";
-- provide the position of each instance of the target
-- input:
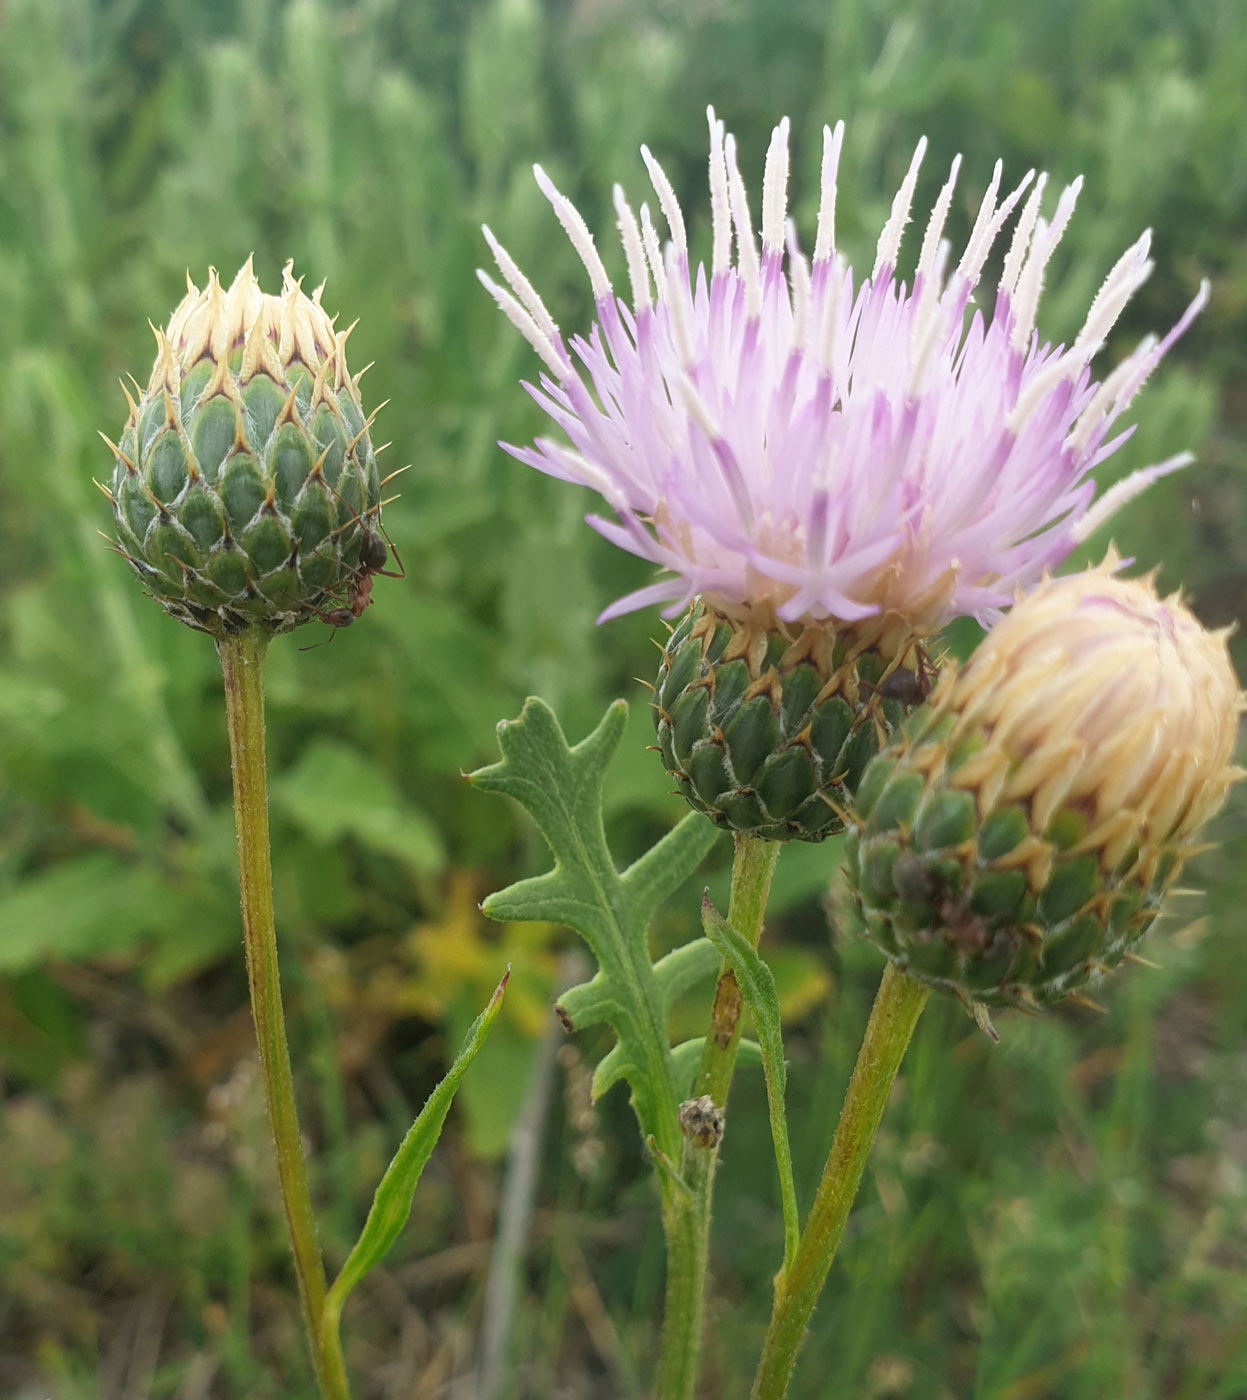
(374, 552)
(909, 688)
(375, 548)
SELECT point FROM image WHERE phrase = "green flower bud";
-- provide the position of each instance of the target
(245, 487)
(1017, 838)
(768, 730)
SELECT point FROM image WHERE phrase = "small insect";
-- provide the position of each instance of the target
(909, 688)
(375, 548)
(906, 686)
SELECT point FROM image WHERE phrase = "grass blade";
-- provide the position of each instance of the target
(391, 1205)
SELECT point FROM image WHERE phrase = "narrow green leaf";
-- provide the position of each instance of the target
(757, 987)
(561, 787)
(391, 1204)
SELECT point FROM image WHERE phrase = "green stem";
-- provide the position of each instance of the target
(752, 868)
(686, 1224)
(896, 1010)
(242, 665)
(686, 1217)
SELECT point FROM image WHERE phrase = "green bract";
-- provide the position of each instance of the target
(769, 733)
(245, 488)
(971, 906)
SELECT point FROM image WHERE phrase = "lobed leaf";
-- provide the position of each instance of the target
(561, 787)
(687, 1058)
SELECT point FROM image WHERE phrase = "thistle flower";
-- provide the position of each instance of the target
(245, 487)
(1016, 840)
(844, 465)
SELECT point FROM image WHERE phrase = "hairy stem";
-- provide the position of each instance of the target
(242, 664)
(686, 1217)
(898, 1005)
(688, 1235)
(752, 868)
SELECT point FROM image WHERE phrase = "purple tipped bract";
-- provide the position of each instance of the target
(790, 441)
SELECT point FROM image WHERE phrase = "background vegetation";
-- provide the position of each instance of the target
(1062, 1216)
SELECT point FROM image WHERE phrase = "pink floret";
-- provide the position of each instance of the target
(776, 434)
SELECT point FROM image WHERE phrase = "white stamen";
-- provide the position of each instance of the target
(775, 190)
(720, 215)
(973, 267)
(653, 253)
(829, 324)
(890, 238)
(825, 244)
(669, 204)
(696, 408)
(1022, 237)
(935, 225)
(1108, 392)
(746, 244)
(1030, 284)
(700, 415)
(799, 283)
(679, 308)
(524, 323)
(1064, 210)
(522, 287)
(634, 252)
(1043, 245)
(982, 221)
(578, 232)
(925, 334)
(1125, 490)
(577, 467)
(1129, 273)
(1040, 386)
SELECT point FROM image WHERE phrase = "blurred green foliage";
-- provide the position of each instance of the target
(1062, 1217)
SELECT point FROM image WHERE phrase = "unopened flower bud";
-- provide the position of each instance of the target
(245, 487)
(1018, 837)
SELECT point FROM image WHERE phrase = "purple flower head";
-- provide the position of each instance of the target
(791, 442)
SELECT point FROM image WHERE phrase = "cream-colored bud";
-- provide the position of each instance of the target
(1017, 840)
(1106, 697)
(267, 331)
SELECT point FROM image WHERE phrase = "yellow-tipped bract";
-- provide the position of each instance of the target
(245, 486)
(767, 728)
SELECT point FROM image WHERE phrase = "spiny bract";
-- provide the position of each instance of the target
(245, 485)
(1016, 840)
(768, 730)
